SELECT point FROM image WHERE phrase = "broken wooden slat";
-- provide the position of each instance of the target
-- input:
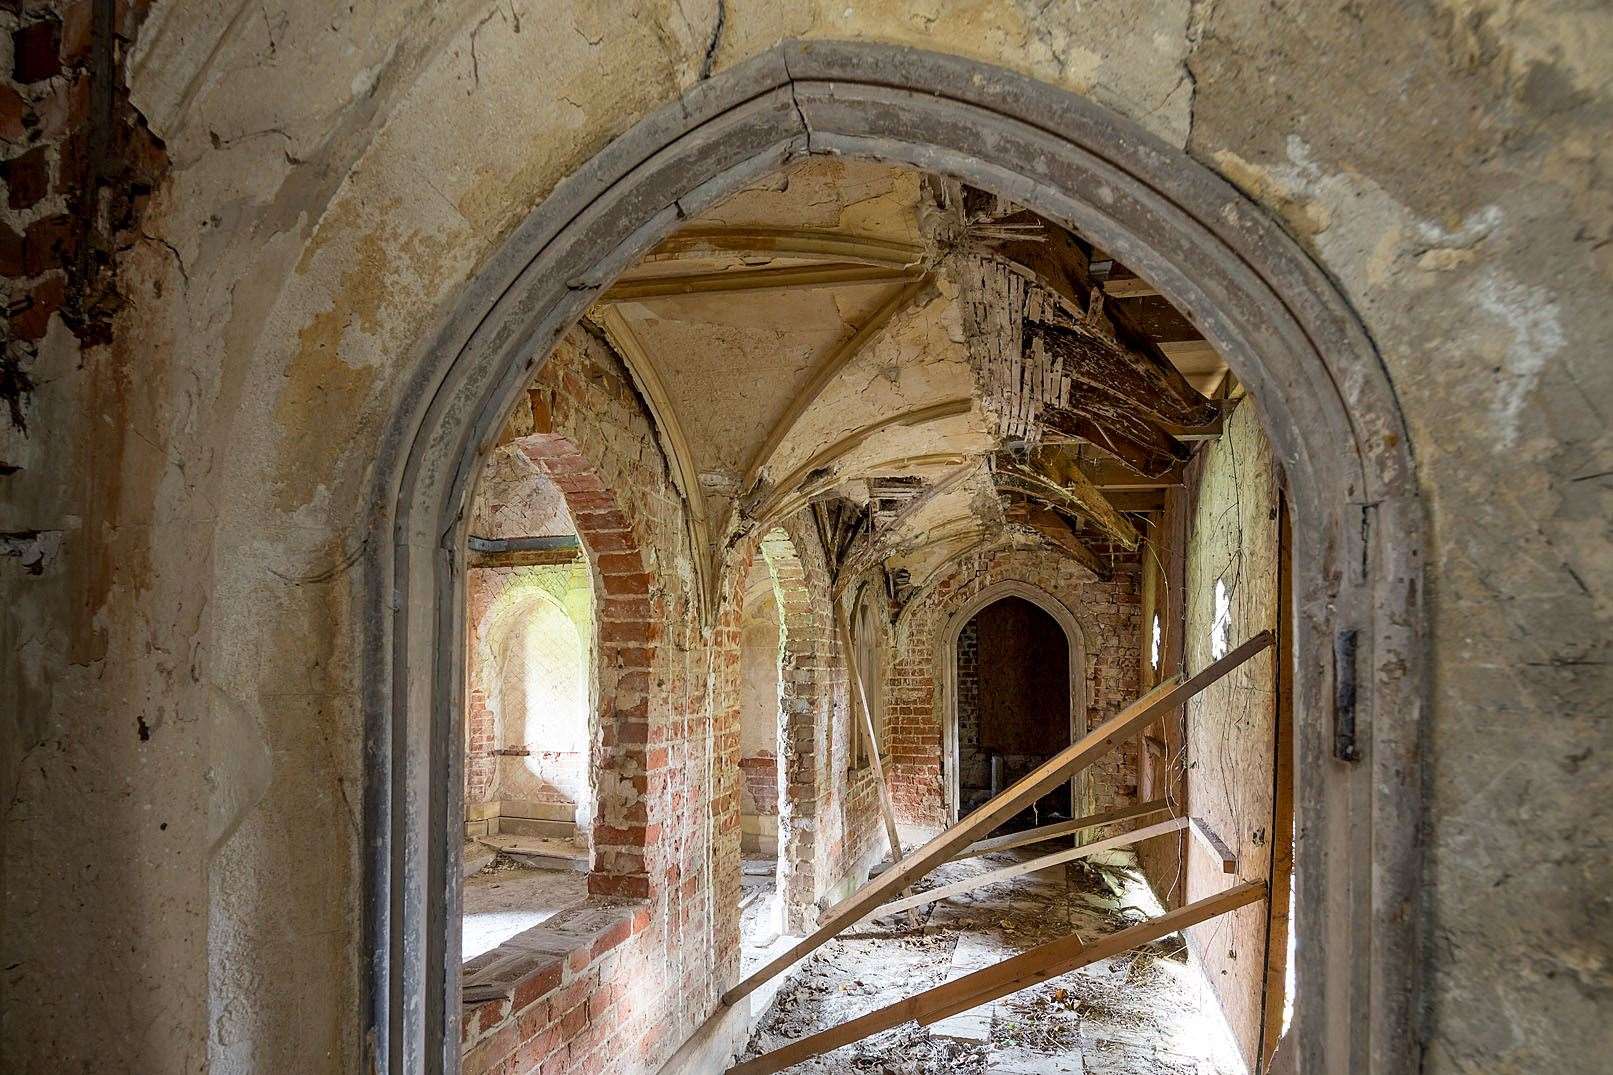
(885, 807)
(1216, 846)
(1077, 756)
(1061, 828)
(1019, 869)
(1011, 975)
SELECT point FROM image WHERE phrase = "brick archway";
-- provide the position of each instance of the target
(624, 653)
(811, 679)
(966, 603)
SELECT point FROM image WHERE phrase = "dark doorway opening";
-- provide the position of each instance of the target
(1013, 703)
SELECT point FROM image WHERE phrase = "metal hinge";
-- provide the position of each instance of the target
(1344, 744)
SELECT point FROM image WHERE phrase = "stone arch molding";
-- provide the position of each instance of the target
(947, 674)
(1285, 330)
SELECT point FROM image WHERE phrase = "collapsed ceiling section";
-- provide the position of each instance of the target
(926, 367)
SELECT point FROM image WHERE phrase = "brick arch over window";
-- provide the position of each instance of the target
(624, 656)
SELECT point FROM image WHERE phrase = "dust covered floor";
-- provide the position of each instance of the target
(505, 898)
(760, 912)
(1142, 1013)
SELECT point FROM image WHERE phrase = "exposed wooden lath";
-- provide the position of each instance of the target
(1042, 368)
(993, 307)
(840, 523)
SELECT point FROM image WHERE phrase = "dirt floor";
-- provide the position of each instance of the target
(1145, 1013)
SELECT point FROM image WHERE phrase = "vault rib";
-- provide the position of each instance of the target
(789, 242)
(775, 504)
(788, 277)
(827, 369)
(669, 431)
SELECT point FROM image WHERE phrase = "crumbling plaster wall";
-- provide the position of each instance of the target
(184, 696)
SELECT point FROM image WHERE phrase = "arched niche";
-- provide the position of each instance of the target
(1283, 327)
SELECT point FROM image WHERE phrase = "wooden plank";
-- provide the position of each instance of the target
(1062, 956)
(1029, 968)
(1061, 828)
(1216, 846)
(788, 242)
(790, 277)
(1019, 869)
(1072, 759)
(1282, 808)
(1128, 287)
(885, 807)
(523, 558)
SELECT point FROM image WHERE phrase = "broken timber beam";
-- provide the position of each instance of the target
(1061, 828)
(1062, 956)
(1019, 869)
(999, 980)
(1077, 756)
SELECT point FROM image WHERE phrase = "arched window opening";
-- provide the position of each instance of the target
(761, 791)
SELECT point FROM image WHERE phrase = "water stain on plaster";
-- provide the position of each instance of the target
(324, 391)
(1529, 316)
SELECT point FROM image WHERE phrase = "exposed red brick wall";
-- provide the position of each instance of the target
(78, 166)
(623, 1005)
(759, 793)
(568, 996)
(829, 820)
(1108, 615)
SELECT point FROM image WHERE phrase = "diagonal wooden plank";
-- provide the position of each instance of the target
(1020, 869)
(885, 807)
(1062, 828)
(1077, 756)
(1062, 956)
(1020, 972)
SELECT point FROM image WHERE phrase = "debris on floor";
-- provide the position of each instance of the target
(1141, 1013)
